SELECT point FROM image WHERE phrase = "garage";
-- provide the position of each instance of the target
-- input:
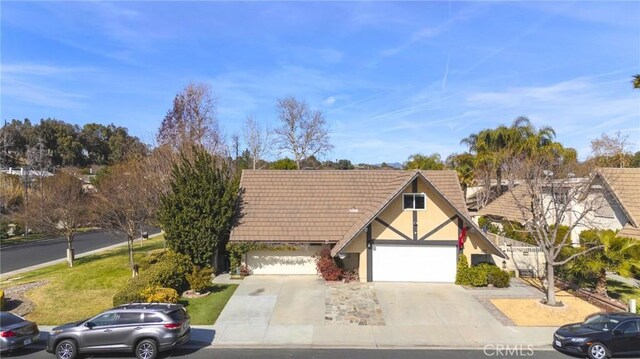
(301, 261)
(414, 263)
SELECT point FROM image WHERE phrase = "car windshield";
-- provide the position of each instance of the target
(601, 322)
(7, 319)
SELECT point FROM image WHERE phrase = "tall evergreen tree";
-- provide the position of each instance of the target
(199, 210)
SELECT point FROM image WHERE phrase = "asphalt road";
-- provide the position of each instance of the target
(207, 353)
(18, 256)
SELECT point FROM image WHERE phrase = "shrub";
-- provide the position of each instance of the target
(463, 276)
(131, 292)
(327, 267)
(166, 269)
(478, 275)
(160, 295)
(498, 278)
(199, 278)
(1, 300)
(486, 223)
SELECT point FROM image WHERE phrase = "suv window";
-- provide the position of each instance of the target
(129, 318)
(178, 315)
(152, 318)
(105, 319)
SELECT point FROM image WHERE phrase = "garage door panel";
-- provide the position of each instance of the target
(282, 262)
(414, 263)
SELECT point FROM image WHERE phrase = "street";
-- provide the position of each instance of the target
(207, 353)
(24, 255)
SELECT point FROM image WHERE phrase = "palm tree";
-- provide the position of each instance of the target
(620, 255)
(464, 165)
(636, 81)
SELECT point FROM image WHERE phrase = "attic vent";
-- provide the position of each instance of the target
(353, 210)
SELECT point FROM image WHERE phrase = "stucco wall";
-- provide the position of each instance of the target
(437, 212)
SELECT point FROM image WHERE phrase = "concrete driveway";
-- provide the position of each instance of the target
(297, 311)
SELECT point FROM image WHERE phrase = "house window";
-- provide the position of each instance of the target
(414, 201)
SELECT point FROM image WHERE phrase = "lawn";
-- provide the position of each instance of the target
(205, 310)
(88, 288)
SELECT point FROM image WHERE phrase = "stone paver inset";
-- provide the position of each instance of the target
(352, 303)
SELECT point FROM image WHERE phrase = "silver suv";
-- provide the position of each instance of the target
(142, 328)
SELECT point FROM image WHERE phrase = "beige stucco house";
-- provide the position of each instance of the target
(612, 202)
(387, 225)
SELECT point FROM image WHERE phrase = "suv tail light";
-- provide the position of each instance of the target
(7, 334)
(173, 326)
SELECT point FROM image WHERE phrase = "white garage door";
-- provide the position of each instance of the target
(300, 261)
(407, 263)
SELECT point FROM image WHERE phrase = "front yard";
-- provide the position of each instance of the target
(68, 294)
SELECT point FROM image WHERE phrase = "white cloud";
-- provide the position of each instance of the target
(329, 101)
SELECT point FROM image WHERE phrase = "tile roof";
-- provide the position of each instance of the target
(325, 206)
(624, 183)
(506, 206)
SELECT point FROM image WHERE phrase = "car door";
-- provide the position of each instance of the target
(625, 338)
(124, 328)
(97, 336)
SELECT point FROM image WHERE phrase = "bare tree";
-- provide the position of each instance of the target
(303, 132)
(548, 196)
(61, 208)
(258, 142)
(192, 120)
(127, 199)
(612, 151)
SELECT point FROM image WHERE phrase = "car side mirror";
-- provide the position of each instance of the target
(89, 325)
(618, 332)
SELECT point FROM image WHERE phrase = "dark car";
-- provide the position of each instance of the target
(16, 332)
(600, 336)
(142, 328)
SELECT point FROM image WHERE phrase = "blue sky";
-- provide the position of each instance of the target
(393, 78)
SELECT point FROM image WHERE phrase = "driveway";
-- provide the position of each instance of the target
(304, 311)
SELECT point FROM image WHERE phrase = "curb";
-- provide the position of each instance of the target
(5, 276)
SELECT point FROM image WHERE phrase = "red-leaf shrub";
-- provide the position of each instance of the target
(327, 266)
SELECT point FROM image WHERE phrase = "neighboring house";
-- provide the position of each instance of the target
(613, 202)
(23, 172)
(386, 225)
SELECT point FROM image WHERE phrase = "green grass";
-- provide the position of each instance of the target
(205, 310)
(21, 239)
(86, 289)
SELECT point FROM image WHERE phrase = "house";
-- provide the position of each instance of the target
(612, 202)
(386, 225)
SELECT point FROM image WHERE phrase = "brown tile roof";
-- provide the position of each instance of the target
(310, 206)
(506, 206)
(325, 206)
(629, 231)
(624, 183)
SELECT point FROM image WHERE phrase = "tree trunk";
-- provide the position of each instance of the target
(70, 254)
(499, 179)
(601, 284)
(131, 264)
(551, 288)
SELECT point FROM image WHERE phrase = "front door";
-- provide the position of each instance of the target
(626, 338)
(99, 335)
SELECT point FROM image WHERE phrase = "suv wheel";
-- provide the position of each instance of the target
(147, 349)
(66, 349)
